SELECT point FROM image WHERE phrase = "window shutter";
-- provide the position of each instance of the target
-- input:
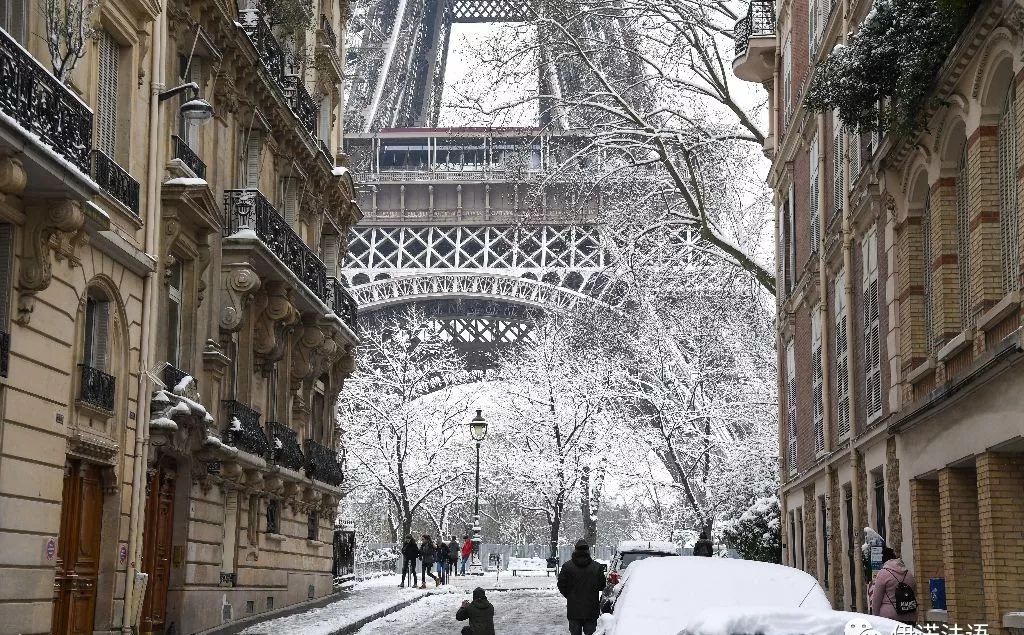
(100, 330)
(812, 28)
(841, 356)
(791, 407)
(106, 102)
(787, 78)
(253, 150)
(838, 187)
(1008, 213)
(854, 158)
(963, 241)
(6, 269)
(814, 197)
(331, 243)
(817, 374)
(872, 345)
(791, 247)
(324, 125)
(290, 196)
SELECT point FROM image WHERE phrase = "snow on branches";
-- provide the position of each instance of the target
(68, 31)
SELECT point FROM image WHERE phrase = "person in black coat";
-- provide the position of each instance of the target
(410, 552)
(441, 556)
(703, 546)
(453, 557)
(427, 555)
(581, 581)
(479, 612)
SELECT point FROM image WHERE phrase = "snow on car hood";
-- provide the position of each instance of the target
(781, 621)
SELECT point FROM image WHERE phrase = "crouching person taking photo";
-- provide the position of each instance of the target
(479, 612)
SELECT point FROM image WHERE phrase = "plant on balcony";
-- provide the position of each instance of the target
(289, 17)
(68, 31)
(895, 55)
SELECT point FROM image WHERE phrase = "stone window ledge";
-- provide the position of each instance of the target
(1013, 620)
(315, 543)
(278, 538)
(916, 374)
(955, 345)
(1001, 310)
(937, 615)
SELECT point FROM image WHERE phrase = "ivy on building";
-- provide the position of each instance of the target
(894, 56)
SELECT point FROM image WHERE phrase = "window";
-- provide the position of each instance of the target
(252, 158)
(291, 198)
(330, 245)
(963, 240)
(106, 94)
(13, 18)
(323, 127)
(97, 319)
(792, 540)
(814, 197)
(851, 545)
(855, 153)
(823, 519)
(787, 78)
(817, 398)
(813, 30)
(319, 419)
(838, 187)
(841, 355)
(880, 504)
(787, 247)
(1008, 193)
(174, 283)
(872, 344)
(273, 517)
(313, 526)
(926, 240)
(6, 272)
(791, 408)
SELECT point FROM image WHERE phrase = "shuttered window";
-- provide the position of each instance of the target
(291, 195)
(872, 345)
(13, 19)
(817, 397)
(963, 241)
(330, 246)
(926, 240)
(174, 284)
(6, 272)
(106, 95)
(813, 34)
(838, 187)
(841, 355)
(814, 197)
(323, 127)
(97, 327)
(252, 160)
(791, 408)
(855, 147)
(787, 78)
(1008, 229)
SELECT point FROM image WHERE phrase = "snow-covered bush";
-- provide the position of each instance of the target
(895, 55)
(756, 534)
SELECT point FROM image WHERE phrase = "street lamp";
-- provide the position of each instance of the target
(477, 430)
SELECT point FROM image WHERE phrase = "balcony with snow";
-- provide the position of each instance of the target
(754, 39)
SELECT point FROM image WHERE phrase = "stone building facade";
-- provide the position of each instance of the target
(173, 329)
(899, 316)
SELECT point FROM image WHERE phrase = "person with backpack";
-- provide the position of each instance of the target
(479, 612)
(453, 557)
(467, 551)
(441, 553)
(580, 582)
(427, 555)
(410, 552)
(704, 546)
(892, 593)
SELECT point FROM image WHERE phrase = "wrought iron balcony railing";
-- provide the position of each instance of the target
(173, 376)
(42, 105)
(249, 209)
(326, 150)
(328, 30)
(115, 180)
(188, 157)
(243, 430)
(322, 463)
(301, 102)
(760, 20)
(5, 352)
(286, 446)
(97, 387)
(342, 303)
(270, 50)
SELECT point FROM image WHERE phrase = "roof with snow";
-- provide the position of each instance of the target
(648, 546)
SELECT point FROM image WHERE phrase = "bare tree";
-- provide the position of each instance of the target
(68, 32)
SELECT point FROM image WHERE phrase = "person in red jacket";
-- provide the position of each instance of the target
(467, 552)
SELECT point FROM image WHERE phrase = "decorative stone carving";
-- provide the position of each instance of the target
(13, 178)
(50, 225)
(240, 282)
(306, 351)
(202, 263)
(275, 318)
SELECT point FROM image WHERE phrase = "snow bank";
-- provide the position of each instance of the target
(186, 180)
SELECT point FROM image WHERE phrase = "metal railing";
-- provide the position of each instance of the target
(243, 429)
(326, 150)
(270, 51)
(286, 446)
(328, 30)
(188, 156)
(115, 180)
(342, 303)
(42, 105)
(5, 352)
(322, 463)
(97, 387)
(172, 376)
(249, 209)
(301, 102)
(759, 21)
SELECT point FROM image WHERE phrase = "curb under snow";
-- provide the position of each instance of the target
(349, 629)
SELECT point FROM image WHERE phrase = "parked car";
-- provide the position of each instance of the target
(658, 596)
(775, 621)
(630, 551)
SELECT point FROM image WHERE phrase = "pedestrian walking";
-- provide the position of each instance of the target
(581, 581)
(703, 546)
(441, 553)
(479, 612)
(410, 552)
(427, 556)
(892, 593)
(453, 556)
(467, 551)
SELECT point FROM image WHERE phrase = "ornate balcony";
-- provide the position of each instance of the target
(328, 31)
(172, 376)
(43, 106)
(5, 352)
(342, 303)
(249, 209)
(322, 463)
(286, 446)
(115, 180)
(754, 38)
(243, 430)
(270, 50)
(97, 387)
(188, 157)
(301, 102)
(326, 150)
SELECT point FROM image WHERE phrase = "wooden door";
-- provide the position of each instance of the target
(78, 550)
(156, 549)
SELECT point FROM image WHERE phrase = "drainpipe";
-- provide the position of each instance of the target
(137, 513)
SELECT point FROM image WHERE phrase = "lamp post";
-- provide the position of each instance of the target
(478, 430)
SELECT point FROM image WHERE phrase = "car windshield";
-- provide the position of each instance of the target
(629, 558)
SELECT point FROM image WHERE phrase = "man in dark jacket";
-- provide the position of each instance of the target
(410, 552)
(704, 546)
(441, 560)
(427, 557)
(479, 612)
(581, 582)
(453, 557)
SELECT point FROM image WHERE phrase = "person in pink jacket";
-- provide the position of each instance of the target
(884, 595)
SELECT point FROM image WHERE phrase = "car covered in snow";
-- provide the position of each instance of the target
(788, 621)
(630, 551)
(658, 596)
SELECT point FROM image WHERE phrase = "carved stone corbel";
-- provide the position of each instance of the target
(202, 263)
(240, 282)
(51, 225)
(13, 177)
(308, 341)
(275, 318)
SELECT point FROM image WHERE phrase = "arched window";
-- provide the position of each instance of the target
(963, 239)
(1008, 193)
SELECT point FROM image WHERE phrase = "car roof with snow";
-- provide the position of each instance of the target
(659, 595)
(789, 621)
(648, 546)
